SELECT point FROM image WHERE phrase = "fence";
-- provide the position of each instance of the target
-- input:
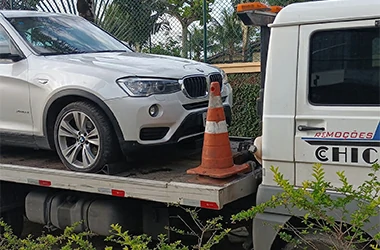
(169, 27)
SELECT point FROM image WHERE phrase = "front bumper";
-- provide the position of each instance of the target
(179, 118)
(191, 127)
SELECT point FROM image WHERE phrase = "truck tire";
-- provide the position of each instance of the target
(83, 137)
(320, 241)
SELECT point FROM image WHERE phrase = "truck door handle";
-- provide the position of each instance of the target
(308, 128)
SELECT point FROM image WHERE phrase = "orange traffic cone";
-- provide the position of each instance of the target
(217, 160)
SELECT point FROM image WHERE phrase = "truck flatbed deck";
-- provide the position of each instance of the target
(156, 178)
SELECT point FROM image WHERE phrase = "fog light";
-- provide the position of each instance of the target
(153, 110)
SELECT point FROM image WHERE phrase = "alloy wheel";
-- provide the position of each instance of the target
(79, 140)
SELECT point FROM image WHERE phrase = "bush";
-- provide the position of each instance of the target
(245, 121)
(69, 240)
(317, 225)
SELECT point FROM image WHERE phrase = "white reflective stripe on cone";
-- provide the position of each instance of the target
(215, 102)
(216, 127)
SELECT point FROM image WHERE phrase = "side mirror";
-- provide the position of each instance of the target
(12, 57)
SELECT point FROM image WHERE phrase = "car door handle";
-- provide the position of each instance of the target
(309, 128)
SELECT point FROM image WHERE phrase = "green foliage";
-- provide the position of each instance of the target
(227, 33)
(67, 241)
(187, 12)
(213, 226)
(318, 207)
(196, 43)
(133, 21)
(245, 121)
(169, 48)
(22, 4)
(211, 233)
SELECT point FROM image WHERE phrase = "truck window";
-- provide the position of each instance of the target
(376, 52)
(344, 67)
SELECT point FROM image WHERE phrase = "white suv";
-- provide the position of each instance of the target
(69, 86)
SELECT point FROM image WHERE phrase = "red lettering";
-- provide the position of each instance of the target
(330, 134)
(369, 135)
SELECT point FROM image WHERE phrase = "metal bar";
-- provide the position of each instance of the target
(236, 68)
(204, 31)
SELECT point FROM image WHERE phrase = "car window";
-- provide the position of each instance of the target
(5, 47)
(344, 67)
(54, 35)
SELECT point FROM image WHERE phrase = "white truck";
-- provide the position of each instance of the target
(321, 100)
(320, 103)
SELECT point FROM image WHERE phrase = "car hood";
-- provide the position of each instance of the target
(138, 64)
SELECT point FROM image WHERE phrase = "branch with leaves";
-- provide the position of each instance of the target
(327, 220)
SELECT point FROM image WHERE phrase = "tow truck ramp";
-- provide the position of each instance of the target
(159, 180)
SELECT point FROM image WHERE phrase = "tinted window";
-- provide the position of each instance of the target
(6, 44)
(344, 67)
(64, 35)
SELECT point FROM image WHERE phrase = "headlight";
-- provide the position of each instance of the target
(147, 87)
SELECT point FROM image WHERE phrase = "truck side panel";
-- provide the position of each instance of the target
(279, 103)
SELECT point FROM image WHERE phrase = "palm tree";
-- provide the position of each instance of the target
(196, 43)
(227, 33)
(187, 12)
(19, 4)
(134, 21)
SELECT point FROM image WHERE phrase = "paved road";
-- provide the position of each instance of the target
(36, 230)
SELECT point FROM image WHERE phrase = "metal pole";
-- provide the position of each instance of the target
(204, 31)
(11, 4)
(191, 44)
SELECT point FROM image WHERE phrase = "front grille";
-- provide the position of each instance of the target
(217, 78)
(195, 86)
(158, 133)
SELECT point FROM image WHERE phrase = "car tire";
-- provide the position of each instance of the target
(84, 138)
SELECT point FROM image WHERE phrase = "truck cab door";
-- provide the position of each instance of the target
(15, 115)
(338, 100)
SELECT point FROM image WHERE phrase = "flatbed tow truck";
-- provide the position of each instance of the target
(37, 182)
(306, 110)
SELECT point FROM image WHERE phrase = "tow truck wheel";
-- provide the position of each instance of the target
(321, 241)
(83, 138)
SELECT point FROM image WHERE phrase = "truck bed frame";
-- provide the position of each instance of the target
(154, 177)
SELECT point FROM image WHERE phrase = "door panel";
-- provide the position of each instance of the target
(15, 114)
(338, 100)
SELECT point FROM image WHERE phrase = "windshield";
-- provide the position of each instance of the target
(56, 35)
